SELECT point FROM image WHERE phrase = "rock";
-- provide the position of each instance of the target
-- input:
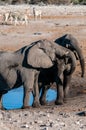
(25, 126)
(82, 113)
(1, 116)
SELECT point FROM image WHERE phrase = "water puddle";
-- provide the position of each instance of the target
(14, 98)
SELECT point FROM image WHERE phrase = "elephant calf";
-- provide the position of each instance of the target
(57, 74)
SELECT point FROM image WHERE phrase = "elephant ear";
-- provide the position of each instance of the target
(38, 58)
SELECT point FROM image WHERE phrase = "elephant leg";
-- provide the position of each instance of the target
(60, 95)
(26, 98)
(28, 82)
(0, 101)
(4, 88)
(67, 80)
(36, 102)
(1, 105)
(43, 95)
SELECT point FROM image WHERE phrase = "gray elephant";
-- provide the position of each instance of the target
(70, 42)
(55, 75)
(23, 66)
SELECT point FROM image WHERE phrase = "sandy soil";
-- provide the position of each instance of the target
(56, 21)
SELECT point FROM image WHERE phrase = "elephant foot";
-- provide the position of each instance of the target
(2, 108)
(43, 102)
(59, 102)
(36, 104)
(65, 100)
(26, 107)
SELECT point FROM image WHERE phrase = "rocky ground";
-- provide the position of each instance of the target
(56, 21)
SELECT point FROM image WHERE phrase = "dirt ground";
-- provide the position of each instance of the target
(51, 27)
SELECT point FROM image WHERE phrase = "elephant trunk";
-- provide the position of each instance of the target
(76, 47)
(71, 61)
(81, 59)
(62, 52)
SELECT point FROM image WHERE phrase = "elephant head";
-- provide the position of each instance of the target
(71, 43)
(43, 54)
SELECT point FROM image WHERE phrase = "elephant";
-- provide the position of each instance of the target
(55, 75)
(22, 67)
(70, 42)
